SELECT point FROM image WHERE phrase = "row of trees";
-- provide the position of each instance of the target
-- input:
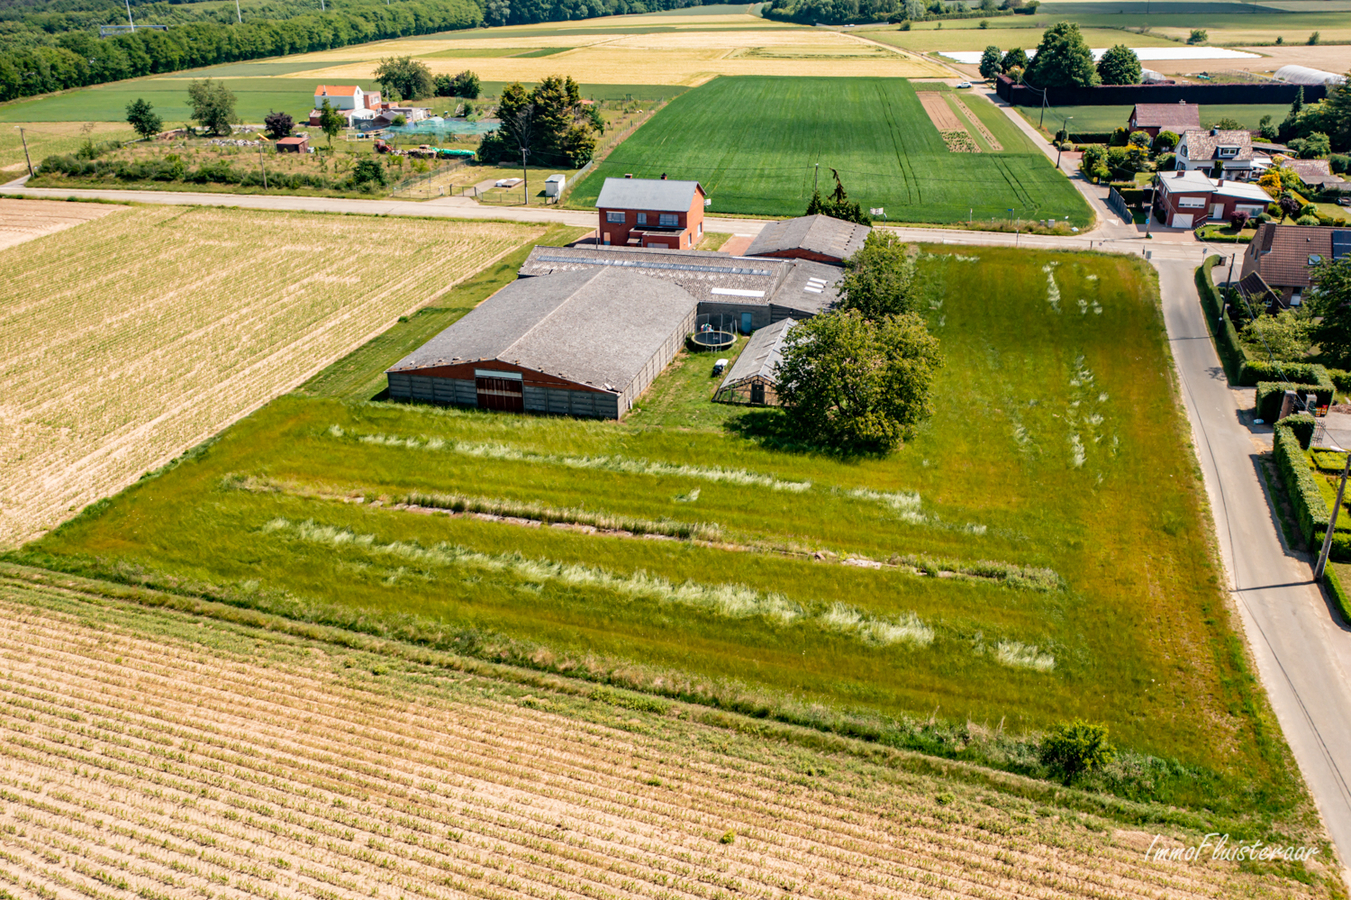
(76, 59)
(840, 12)
(1063, 59)
(548, 126)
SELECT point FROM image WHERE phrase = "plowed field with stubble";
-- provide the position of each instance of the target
(145, 754)
(126, 340)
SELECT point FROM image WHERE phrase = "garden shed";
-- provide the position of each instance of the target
(753, 378)
(582, 343)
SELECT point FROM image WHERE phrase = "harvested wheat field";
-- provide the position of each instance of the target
(125, 341)
(23, 220)
(687, 57)
(147, 752)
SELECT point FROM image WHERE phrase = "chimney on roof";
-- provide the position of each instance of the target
(1182, 103)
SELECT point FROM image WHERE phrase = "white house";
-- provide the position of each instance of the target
(1204, 150)
(340, 96)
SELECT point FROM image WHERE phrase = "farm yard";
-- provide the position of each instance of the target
(943, 598)
(119, 349)
(755, 158)
(147, 756)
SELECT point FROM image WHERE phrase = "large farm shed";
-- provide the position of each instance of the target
(754, 291)
(754, 377)
(582, 343)
(820, 238)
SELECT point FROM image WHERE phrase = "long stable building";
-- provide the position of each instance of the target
(583, 343)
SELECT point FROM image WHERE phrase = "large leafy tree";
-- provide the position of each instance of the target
(213, 105)
(1331, 299)
(989, 62)
(1120, 65)
(1014, 59)
(142, 118)
(855, 384)
(880, 277)
(405, 77)
(1338, 116)
(1063, 59)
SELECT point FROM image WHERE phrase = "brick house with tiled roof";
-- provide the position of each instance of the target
(1229, 151)
(1283, 255)
(1178, 118)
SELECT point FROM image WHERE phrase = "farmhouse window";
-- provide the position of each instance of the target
(615, 217)
(1228, 151)
(642, 218)
(1191, 202)
(670, 220)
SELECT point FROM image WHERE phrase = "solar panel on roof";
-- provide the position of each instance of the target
(645, 264)
(1341, 244)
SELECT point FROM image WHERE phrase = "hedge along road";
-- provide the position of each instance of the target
(1302, 653)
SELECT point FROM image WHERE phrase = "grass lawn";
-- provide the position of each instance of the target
(1098, 119)
(1058, 455)
(760, 138)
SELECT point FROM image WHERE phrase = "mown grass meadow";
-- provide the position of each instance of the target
(761, 138)
(1051, 499)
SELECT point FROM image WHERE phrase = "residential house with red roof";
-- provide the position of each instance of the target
(1152, 118)
(1283, 255)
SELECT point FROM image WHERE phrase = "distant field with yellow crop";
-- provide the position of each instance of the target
(688, 57)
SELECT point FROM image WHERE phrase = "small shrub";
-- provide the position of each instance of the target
(1074, 749)
(727, 838)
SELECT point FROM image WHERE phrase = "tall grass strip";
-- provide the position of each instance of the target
(733, 601)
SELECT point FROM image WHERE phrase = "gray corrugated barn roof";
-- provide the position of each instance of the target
(828, 236)
(802, 285)
(647, 193)
(762, 355)
(596, 327)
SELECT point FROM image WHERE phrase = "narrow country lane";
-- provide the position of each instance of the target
(1302, 653)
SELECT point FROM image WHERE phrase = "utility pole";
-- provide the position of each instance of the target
(260, 161)
(1332, 524)
(1153, 196)
(26, 158)
(525, 174)
(238, 15)
(1042, 118)
(1060, 144)
(1231, 267)
(129, 21)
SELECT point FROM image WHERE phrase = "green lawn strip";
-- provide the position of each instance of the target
(169, 95)
(361, 374)
(1106, 119)
(872, 130)
(1060, 451)
(480, 53)
(252, 635)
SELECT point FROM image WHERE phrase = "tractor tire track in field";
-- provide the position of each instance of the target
(913, 194)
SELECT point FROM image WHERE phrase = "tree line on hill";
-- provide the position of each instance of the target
(846, 12)
(55, 46)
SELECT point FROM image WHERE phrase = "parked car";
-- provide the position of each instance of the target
(963, 84)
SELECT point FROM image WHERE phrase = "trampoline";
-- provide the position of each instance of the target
(712, 339)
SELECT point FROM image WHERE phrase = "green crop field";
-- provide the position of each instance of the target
(759, 140)
(1037, 552)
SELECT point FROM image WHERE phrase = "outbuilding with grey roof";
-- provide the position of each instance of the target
(820, 238)
(754, 377)
(586, 342)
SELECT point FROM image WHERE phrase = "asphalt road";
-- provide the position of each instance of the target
(1303, 656)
